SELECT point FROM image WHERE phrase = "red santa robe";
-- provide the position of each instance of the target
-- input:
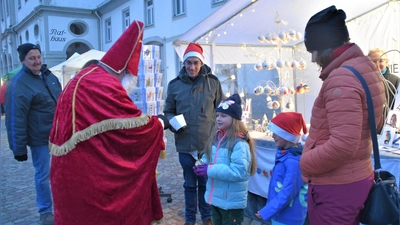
(105, 154)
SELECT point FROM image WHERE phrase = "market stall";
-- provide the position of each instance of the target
(235, 35)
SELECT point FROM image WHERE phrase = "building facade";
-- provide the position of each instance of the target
(62, 28)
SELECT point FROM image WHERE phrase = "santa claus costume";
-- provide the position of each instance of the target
(105, 151)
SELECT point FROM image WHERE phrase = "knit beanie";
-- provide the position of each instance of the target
(326, 29)
(24, 49)
(125, 52)
(231, 106)
(194, 49)
(288, 125)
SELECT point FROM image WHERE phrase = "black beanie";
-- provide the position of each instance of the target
(326, 29)
(24, 49)
(231, 106)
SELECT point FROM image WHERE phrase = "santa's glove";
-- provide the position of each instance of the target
(164, 120)
(21, 158)
(201, 170)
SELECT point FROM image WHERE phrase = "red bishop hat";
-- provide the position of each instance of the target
(125, 52)
(194, 49)
(288, 126)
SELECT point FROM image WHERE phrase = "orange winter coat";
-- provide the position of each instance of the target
(338, 148)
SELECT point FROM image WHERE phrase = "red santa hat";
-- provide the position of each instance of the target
(194, 49)
(288, 126)
(125, 52)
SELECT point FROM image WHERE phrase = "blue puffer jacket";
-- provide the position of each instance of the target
(30, 105)
(228, 174)
(287, 193)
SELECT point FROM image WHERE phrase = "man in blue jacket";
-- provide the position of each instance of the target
(31, 99)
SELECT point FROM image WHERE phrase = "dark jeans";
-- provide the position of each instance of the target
(195, 188)
(227, 217)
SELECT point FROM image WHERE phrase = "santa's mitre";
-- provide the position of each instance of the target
(125, 52)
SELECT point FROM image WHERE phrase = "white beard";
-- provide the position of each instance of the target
(129, 82)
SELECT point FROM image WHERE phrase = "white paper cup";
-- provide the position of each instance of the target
(178, 122)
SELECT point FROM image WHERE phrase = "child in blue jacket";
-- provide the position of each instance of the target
(287, 193)
(228, 162)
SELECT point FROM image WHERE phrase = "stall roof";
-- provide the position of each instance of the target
(65, 70)
(244, 20)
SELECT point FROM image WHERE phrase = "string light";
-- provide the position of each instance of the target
(228, 94)
(242, 93)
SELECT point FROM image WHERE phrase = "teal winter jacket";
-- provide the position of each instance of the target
(228, 174)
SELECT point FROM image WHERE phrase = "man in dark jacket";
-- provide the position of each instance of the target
(391, 81)
(31, 99)
(194, 93)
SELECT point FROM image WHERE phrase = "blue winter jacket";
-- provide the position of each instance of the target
(228, 174)
(30, 106)
(287, 193)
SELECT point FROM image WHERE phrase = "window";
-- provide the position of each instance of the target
(108, 30)
(126, 18)
(27, 36)
(149, 12)
(19, 4)
(78, 28)
(179, 7)
(36, 31)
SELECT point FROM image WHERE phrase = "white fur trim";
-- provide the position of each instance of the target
(195, 54)
(283, 133)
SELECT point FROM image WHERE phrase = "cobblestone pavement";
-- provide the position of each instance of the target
(17, 191)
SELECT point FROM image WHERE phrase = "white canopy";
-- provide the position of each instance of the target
(58, 68)
(240, 22)
(230, 36)
(68, 68)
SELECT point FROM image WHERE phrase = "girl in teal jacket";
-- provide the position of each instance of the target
(228, 161)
